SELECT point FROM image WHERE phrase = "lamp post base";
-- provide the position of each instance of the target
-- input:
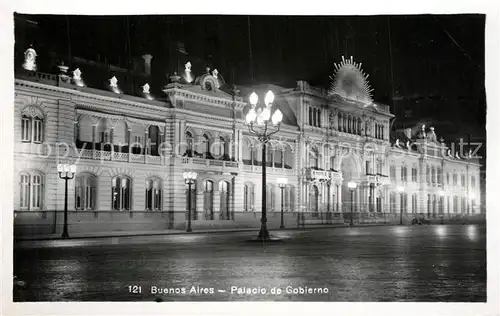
(282, 226)
(65, 234)
(263, 234)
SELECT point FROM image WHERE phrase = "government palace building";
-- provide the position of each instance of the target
(131, 151)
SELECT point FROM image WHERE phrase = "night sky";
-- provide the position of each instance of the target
(437, 61)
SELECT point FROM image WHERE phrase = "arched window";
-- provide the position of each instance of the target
(288, 157)
(392, 171)
(433, 175)
(414, 204)
(269, 155)
(153, 194)
(248, 197)
(189, 144)
(32, 121)
(310, 116)
(313, 158)
(224, 209)
(85, 192)
(223, 148)
(207, 142)
(392, 202)
(359, 126)
(31, 189)
(319, 118)
(121, 193)
(339, 117)
(248, 151)
(278, 157)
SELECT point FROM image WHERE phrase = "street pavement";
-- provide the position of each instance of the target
(380, 263)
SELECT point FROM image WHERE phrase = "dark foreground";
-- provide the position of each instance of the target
(409, 263)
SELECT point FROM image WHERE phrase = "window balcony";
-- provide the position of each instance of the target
(210, 164)
(313, 174)
(119, 156)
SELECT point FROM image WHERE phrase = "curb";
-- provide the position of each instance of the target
(192, 233)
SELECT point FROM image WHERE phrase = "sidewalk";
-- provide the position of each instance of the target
(76, 239)
(169, 232)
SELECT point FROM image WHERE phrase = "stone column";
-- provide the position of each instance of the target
(94, 128)
(129, 142)
(145, 144)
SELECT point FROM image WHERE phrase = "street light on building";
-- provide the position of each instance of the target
(352, 186)
(263, 124)
(66, 172)
(282, 184)
(441, 206)
(189, 179)
(401, 191)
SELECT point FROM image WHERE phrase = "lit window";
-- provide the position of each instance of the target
(85, 192)
(153, 195)
(121, 193)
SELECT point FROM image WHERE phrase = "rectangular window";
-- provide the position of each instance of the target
(36, 192)
(25, 129)
(37, 131)
(368, 168)
(25, 193)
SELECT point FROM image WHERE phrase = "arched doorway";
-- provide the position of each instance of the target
(224, 200)
(350, 170)
(208, 200)
(314, 200)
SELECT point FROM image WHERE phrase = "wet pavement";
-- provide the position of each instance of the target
(382, 263)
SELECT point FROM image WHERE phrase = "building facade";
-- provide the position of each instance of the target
(131, 152)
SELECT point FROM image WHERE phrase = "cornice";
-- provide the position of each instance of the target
(204, 99)
(75, 94)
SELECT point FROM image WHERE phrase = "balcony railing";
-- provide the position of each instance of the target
(258, 169)
(219, 165)
(119, 156)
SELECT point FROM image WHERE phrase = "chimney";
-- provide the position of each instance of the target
(147, 64)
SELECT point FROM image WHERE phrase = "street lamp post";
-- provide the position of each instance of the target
(189, 179)
(352, 186)
(263, 124)
(441, 206)
(66, 172)
(282, 184)
(401, 191)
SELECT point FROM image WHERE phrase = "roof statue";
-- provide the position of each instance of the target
(187, 75)
(350, 82)
(431, 136)
(113, 82)
(77, 77)
(145, 88)
(30, 59)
